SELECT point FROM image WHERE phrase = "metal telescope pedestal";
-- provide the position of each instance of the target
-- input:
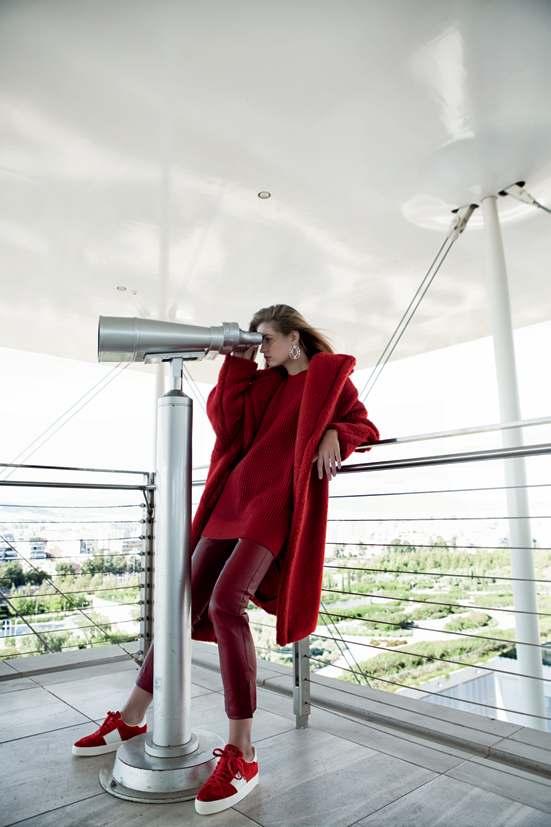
(171, 762)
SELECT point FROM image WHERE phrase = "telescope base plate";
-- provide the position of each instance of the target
(137, 776)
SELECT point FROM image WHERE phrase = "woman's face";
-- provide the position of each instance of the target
(275, 345)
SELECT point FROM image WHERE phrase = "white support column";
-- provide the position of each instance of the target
(529, 696)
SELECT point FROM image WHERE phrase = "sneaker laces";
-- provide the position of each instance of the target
(229, 766)
(107, 724)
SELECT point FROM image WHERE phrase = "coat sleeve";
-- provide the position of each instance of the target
(226, 401)
(350, 421)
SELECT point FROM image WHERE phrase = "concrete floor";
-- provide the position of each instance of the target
(337, 772)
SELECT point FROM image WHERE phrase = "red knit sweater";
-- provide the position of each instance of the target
(257, 500)
(291, 588)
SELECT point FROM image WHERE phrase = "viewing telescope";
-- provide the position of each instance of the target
(171, 761)
(130, 339)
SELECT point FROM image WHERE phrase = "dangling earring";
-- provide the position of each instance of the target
(294, 352)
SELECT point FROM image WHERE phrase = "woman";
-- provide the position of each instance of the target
(259, 530)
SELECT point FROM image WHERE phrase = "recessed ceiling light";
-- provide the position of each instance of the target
(264, 194)
(123, 289)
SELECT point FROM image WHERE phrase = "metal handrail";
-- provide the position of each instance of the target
(85, 485)
(476, 429)
(71, 468)
(439, 459)
(147, 488)
(446, 459)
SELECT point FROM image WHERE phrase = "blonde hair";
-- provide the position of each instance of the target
(285, 319)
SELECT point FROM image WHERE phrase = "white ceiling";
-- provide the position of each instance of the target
(135, 136)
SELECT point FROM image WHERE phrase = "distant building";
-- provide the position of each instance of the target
(38, 548)
(7, 548)
(7, 622)
(480, 691)
(131, 545)
(88, 547)
(62, 551)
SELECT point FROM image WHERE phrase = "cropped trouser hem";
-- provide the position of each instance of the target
(224, 576)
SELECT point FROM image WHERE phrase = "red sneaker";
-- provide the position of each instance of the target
(108, 737)
(231, 780)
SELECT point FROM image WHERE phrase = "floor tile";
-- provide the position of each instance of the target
(5, 670)
(507, 781)
(535, 737)
(206, 678)
(422, 752)
(313, 779)
(98, 694)
(16, 685)
(33, 711)
(207, 712)
(86, 673)
(445, 801)
(39, 774)
(510, 749)
(275, 702)
(103, 809)
(428, 718)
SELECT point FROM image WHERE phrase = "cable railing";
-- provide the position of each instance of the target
(429, 603)
(418, 602)
(61, 588)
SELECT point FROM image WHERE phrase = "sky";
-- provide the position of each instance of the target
(448, 388)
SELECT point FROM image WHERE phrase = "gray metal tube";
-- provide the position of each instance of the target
(529, 658)
(129, 339)
(172, 608)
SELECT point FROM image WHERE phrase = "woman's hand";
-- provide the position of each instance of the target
(249, 353)
(329, 454)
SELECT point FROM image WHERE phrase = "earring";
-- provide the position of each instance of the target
(294, 352)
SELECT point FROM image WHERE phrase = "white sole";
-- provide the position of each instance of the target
(90, 751)
(84, 752)
(205, 808)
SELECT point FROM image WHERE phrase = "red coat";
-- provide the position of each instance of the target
(291, 588)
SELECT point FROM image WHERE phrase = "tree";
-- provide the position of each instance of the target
(51, 643)
(134, 565)
(35, 577)
(12, 576)
(104, 564)
(65, 569)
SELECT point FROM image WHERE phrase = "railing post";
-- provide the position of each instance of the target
(301, 686)
(146, 585)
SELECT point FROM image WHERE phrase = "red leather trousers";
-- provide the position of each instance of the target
(224, 576)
